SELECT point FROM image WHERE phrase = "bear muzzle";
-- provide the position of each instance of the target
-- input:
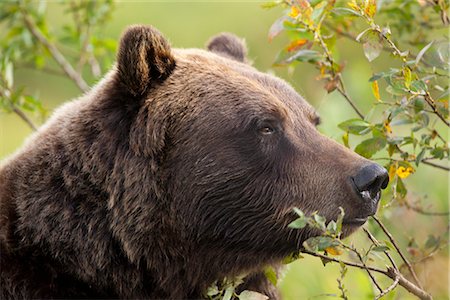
(367, 184)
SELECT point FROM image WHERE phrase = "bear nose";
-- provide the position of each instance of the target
(370, 180)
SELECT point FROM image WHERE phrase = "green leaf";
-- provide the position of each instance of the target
(371, 146)
(343, 11)
(298, 223)
(212, 290)
(354, 126)
(320, 221)
(306, 56)
(438, 152)
(345, 139)
(324, 242)
(251, 295)
(377, 76)
(318, 10)
(432, 242)
(419, 104)
(400, 188)
(339, 220)
(228, 293)
(325, 261)
(271, 274)
(291, 258)
(271, 4)
(389, 244)
(422, 52)
(380, 248)
(9, 75)
(361, 34)
(420, 156)
(299, 212)
(276, 28)
(407, 75)
(331, 227)
(419, 86)
(372, 43)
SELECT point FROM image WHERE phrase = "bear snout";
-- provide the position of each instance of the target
(367, 183)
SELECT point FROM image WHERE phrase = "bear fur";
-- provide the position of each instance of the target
(180, 168)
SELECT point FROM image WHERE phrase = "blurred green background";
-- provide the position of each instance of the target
(191, 24)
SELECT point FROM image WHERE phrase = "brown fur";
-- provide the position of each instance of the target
(159, 182)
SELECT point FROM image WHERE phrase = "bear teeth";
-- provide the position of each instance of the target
(366, 195)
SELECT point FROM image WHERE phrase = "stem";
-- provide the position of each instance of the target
(436, 165)
(341, 90)
(347, 263)
(6, 93)
(423, 212)
(340, 87)
(432, 104)
(391, 238)
(375, 241)
(390, 288)
(365, 266)
(425, 161)
(57, 56)
(24, 117)
(391, 273)
(408, 285)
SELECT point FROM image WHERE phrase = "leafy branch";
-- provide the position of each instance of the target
(28, 43)
(330, 243)
(56, 54)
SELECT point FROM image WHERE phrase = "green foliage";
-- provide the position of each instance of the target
(226, 290)
(415, 93)
(409, 117)
(28, 42)
(405, 127)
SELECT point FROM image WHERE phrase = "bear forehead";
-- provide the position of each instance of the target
(224, 77)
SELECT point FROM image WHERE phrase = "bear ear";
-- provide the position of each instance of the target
(228, 45)
(144, 59)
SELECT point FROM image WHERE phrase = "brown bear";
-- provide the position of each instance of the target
(179, 168)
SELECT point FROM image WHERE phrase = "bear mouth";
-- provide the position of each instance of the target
(355, 221)
(367, 196)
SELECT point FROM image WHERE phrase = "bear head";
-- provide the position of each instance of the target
(225, 153)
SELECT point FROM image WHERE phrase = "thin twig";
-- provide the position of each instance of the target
(390, 288)
(376, 243)
(391, 273)
(347, 263)
(408, 285)
(336, 76)
(364, 264)
(436, 165)
(6, 93)
(432, 104)
(342, 91)
(424, 212)
(431, 254)
(24, 117)
(434, 131)
(59, 58)
(391, 238)
(425, 161)
(340, 88)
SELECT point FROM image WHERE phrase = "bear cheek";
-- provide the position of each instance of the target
(321, 170)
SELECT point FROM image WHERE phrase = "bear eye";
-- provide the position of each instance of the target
(266, 130)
